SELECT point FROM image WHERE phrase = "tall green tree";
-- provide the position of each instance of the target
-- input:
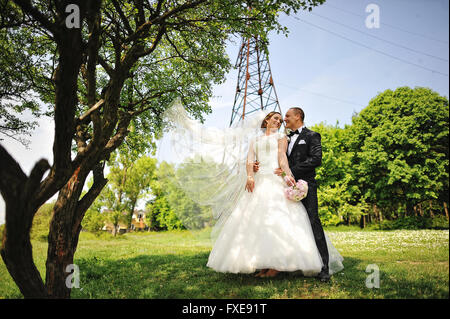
(171, 207)
(161, 214)
(131, 181)
(338, 196)
(103, 66)
(400, 149)
(20, 70)
(93, 220)
(115, 217)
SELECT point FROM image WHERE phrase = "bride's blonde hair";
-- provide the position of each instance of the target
(268, 117)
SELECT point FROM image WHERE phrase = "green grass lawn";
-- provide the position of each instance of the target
(412, 264)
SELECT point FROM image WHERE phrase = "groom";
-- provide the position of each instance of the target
(304, 155)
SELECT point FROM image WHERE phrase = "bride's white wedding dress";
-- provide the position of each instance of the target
(266, 230)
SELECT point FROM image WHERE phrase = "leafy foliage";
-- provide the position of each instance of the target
(414, 222)
(335, 194)
(118, 71)
(41, 222)
(93, 220)
(17, 50)
(394, 156)
(399, 145)
(172, 208)
(151, 52)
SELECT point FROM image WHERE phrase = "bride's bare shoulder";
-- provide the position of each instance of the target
(282, 136)
(282, 140)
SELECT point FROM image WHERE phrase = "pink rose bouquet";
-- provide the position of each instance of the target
(296, 192)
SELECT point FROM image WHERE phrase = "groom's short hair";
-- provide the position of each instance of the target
(299, 111)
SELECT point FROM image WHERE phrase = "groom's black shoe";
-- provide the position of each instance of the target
(324, 275)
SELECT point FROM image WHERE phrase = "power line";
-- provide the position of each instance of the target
(373, 36)
(389, 25)
(320, 94)
(370, 48)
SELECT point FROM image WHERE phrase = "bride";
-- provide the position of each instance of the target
(257, 227)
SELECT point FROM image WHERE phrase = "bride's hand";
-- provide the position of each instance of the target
(289, 180)
(250, 185)
(278, 171)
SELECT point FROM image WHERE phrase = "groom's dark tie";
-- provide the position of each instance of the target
(293, 133)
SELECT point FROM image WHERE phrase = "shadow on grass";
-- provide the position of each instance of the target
(186, 276)
(170, 276)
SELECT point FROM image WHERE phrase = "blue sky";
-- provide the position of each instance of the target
(332, 65)
(330, 69)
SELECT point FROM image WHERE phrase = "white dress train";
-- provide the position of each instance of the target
(266, 230)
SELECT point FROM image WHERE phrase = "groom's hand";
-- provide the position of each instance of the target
(255, 166)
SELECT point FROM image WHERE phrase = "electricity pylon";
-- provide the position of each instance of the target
(255, 88)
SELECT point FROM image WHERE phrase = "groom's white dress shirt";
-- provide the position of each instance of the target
(293, 139)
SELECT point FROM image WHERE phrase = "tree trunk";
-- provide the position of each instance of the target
(408, 209)
(61, 246)
(28, 193)
(17, 254)
(23, 195)
(377, 213)
(19, 194)
(121, 189)
(431, 209)
(65, 228)
(130, 217)
(446, 210)
(63, 237)
(420, 210)
(362, 221)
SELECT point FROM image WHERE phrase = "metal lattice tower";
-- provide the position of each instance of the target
(255, 88)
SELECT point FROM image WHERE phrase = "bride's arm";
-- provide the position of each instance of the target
(282, 157)
(250, 174)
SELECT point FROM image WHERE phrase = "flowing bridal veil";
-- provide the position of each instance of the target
(256, 230)
(215, 159)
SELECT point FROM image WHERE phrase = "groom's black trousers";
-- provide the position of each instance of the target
(312, 207)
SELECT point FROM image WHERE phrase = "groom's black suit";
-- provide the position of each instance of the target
(303, 160)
